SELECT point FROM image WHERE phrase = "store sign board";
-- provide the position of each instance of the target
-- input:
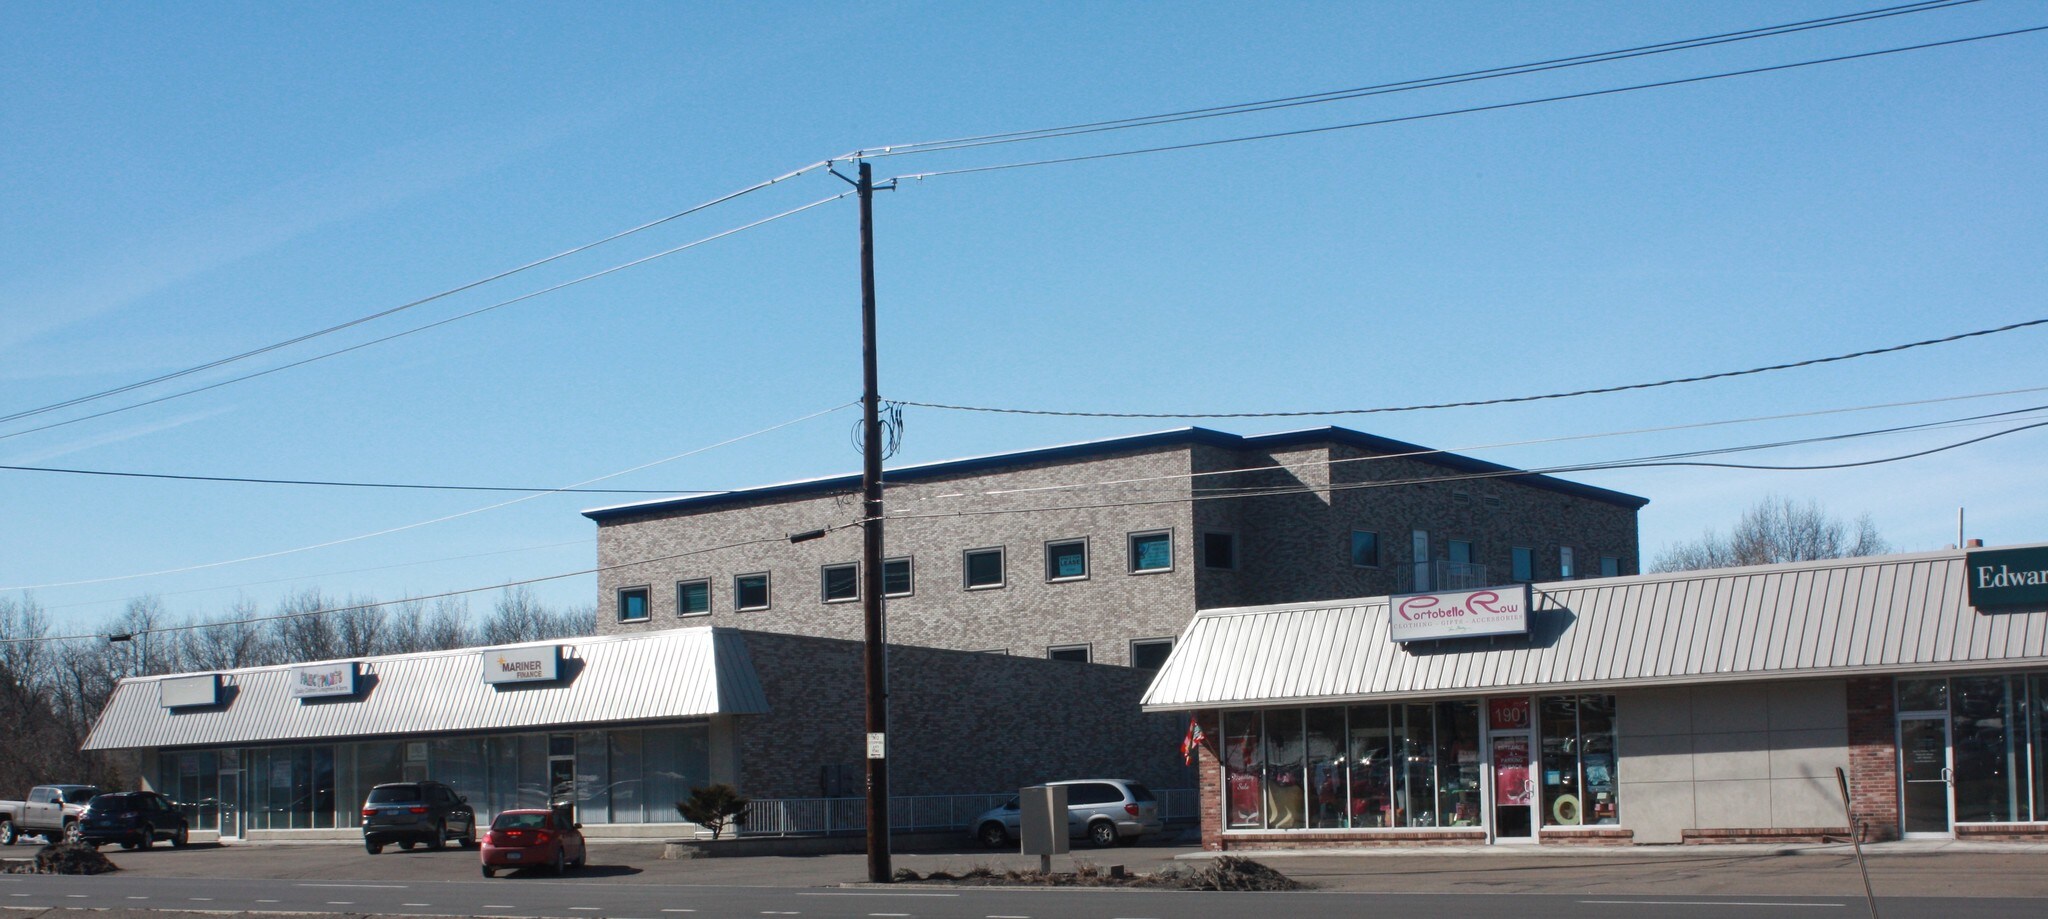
(2008, 577)
(188, 691)
(316, 681)
(522, 665)
(1459, 614)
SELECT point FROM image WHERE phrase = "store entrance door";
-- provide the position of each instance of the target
(228, 804)
(1926, 779)
(562, 775)
(1508, 743)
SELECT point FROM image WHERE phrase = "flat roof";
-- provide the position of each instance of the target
(1188, 436)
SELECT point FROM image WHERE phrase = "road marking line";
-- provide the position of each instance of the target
(867, 893)
(17, 895)
(888, 914)
(415, 904)
(200, 899)
(665, 911)
(1009, 917)
(341, 903)
(1709, 903)
(138, 898)
(591, 909)
(77, 896)
(364, 886)
(499, 906)
(266, 901)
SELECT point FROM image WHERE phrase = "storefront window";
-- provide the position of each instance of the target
(1457, 756)
(1923, 695)
(1371, 767)
(1244, 763)
(1988, 754)
(1325, 763)
(1284, 799)
(1578, 760)
(1417, 725)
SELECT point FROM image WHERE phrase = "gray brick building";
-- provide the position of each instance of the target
(1102, 551)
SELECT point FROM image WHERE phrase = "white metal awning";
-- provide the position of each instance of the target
(655, 676)
(1888, 614)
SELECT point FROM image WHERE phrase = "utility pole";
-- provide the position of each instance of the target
(874, 661)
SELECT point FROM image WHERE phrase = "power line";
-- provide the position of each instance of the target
(1379, 122)
(417, 329)
(1241, 108)
(422, 523)
(337, 484)
(1497, 401)
(91, 397)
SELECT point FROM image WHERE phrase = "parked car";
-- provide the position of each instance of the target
(1103, 811)
(135, 819)
(409, 813)
(50, 811)
(526, 838)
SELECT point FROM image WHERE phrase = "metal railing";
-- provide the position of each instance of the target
(907, 814)
(1444, 575)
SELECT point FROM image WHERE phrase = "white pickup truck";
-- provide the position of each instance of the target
(51, 812)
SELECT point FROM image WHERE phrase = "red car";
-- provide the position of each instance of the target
(531, 838)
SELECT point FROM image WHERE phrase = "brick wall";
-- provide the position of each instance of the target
(959, 722)
(1874, 757)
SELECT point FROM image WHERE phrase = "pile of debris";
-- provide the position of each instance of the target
(1228, 872)
(65, 858)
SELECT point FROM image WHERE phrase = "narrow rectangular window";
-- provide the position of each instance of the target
(1418, 544)
(1365, 548)
(983, 568)
(1076, 653)
(1066, 560)
(1610, 566)
(750, 591)
(633, 604)
(693, 598)
(840, 583)
(896, 581)
(1525, 564)
(1219, 550)
(1150, 653)
(1564, 563)
(1460, 551)
(1151, 552)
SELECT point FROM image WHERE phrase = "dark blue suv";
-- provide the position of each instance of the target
(135, 819)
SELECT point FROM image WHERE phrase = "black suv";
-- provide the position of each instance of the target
(408, 813)
(133, 819)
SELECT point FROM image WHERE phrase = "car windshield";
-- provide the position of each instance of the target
(392, 794)
(520, 822)
(79, 795)
(1139, 792)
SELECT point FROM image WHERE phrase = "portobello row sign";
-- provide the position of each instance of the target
(2008, 577)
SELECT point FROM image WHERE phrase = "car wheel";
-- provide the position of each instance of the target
(582, 856)
(148, 834)
(440, 837)
(490, 872)
(372, 847)
(1102, 833)
(128, 845)
(561, 864)
(70, 832)
(469, 838)
(993, 835)
(7, 835)
(184, 836)
(406, 844)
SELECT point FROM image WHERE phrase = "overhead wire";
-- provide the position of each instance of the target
(255, 352)
(442, 519)
(1339, 95)
(1504, 400)
(1499, 106)
(245, 480)
(441, 322)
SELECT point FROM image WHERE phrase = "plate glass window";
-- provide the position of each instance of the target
(896, 580)
(1066, 561)
(1151, 653)
(750, 591)
(840, 583)
(693, 598)
(1219, 550)
(1365, 548)
(1076, 653)
(633, 604)
(984, 568)
(1610, 566)
(1151, 552)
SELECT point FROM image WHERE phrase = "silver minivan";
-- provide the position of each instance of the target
(1103, 811)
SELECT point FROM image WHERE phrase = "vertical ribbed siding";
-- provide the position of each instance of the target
(1895, 612)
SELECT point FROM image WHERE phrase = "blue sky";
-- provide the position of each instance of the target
(187, 181)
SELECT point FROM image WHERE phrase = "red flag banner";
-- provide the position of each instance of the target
(1192, 741)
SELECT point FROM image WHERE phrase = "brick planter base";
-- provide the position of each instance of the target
(1351, 840)
(1590, 836)
(1782, 834)
(2003, 832)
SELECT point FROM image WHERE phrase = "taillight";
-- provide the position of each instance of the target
(369, 812)
(1131, 809)
(541, 837)
(416, 810)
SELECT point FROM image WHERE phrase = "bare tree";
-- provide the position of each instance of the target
(229, 641)
(1777, 529)
(517, 617)
(360, 626)
(306, 628)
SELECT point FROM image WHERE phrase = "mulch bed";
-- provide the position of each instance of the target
(1228, 872)
(65, 858)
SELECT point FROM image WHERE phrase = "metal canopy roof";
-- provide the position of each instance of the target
(678, 673)
(1888, 614)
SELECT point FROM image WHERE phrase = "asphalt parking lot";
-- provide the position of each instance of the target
(1897, 869)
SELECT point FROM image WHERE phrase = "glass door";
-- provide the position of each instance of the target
(562, 775)
(1925, 776)
(1513, 789)
(229, 805)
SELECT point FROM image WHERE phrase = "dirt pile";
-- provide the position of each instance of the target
(1226, 873)
(65, 858)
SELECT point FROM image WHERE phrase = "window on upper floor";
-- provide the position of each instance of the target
(1219, 550)
(750, 591)
(839, 583)
(633, 604)
(1564, 563)
(1066, 560)
(982, 568)
(896, 580)
(1151, 552)
(1460, 551)
(1076, 653)
(1150, 653)
(1365, 548)
(1610, 566)
(1524, 564)
(693, 598)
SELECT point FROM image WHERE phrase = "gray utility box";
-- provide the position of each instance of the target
(1042, 819)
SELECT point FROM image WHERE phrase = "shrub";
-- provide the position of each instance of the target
(714, 808)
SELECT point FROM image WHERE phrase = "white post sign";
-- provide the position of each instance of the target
(522, 665)
(1459, 614)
